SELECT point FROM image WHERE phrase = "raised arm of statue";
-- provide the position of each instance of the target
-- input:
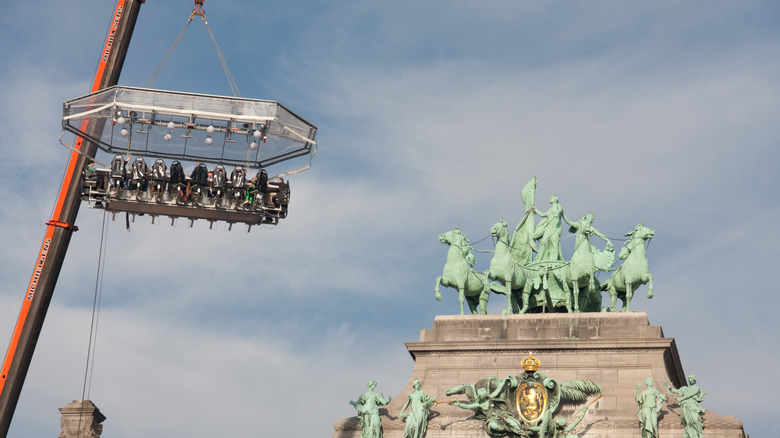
(360, 401)
(471, 406)
(575, 225)
(670, 388)
(603, 237)
(512, 384)
(382, 400)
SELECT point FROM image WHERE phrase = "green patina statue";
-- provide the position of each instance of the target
(587, 259)
(562, 426)
(493, 408)
(634, 272)
(504, 268)
(691, 413)
(649, 401)
(458, 273)
(546, 283)
(548, 232)
(367, 406)
(525, 405)
(419, 404)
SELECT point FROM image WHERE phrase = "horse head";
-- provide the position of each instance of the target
(455, 238)
(500, 230)
(452, 237)
(638, 236)
(641, 233)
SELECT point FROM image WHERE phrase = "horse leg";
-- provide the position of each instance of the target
(520, 280)
(629, 295)
(566, 291)
(483, 300)
(484, 296)
(472, 302)
(508, 298)
(526, 295)
(461, 297)
(515, 305)
(576, 296)
(612, 297)
(438, 282)
(649, 286)
(591, 288)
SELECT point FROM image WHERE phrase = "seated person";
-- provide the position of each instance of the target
(282, 194)
(90, 169)
(258, 184)
(91, 174)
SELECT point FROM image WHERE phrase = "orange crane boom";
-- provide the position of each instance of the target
(61, 226)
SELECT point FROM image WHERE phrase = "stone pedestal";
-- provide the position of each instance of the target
(81, 419)
(616, 350)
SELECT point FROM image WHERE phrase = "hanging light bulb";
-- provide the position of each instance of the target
(124, 132)
(210, 129)
(171, 126)
(257, 133)
(253, 145)
(120, 120)
(209, 141)
(167, 136)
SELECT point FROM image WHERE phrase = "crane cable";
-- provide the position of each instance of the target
(93, 328)
(231, 81)
(198, 11)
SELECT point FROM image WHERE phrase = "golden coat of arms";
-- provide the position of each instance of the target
(531, 400)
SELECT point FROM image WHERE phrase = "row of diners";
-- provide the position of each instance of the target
(159, 184)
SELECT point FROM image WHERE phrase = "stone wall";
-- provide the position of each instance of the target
(616, 350)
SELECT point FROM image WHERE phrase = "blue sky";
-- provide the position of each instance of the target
(431, 115)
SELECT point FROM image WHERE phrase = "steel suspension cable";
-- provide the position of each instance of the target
(102, 262)
(225, 68)
(167, 55)
(231, 81)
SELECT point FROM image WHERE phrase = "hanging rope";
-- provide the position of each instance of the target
(102, 267)
(90, 365)
(198, 11)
